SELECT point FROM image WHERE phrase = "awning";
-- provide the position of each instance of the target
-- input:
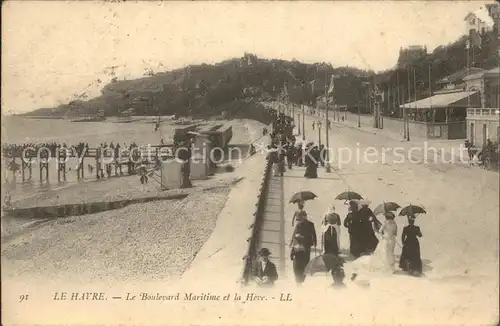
(438, 100)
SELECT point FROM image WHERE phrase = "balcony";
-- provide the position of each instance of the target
(477, 113)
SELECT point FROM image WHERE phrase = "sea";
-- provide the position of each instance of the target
(141, 130)
(18, 130)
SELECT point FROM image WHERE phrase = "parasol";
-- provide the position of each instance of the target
(349, 195)
(324, 263)
(302, 196)
(412, 210)
(386, 207)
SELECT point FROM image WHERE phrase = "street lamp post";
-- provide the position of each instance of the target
(319, 132)
(303, 122)
(298, 121)
(327, 154)
(359, 117)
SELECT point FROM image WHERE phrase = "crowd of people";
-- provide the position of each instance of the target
(18, 150)
(284, 147)
(62, 150)
(367, 235)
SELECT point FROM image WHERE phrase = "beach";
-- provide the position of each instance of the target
(18, 130)
(190, 220)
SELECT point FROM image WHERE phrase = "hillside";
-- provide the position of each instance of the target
(442, 62)
(208, 90)
(237, 84)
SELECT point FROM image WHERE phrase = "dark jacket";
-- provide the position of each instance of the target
(308, 231)
(270, 271)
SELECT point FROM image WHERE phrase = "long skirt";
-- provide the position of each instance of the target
(311, 171)
(355, 245)
(370, 242)
(331, 246)
(410, 260)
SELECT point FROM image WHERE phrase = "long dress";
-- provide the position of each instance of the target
(353, 224)
(410, 260)
(383, 258)
(311, 168)
(369, 239)
(330, 240)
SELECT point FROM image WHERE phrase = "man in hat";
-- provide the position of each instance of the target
(305, 228)
(265, 272)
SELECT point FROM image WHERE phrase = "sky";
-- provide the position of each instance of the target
(54, 50)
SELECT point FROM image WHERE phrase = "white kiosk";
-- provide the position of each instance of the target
(199, 164)
(171, 177)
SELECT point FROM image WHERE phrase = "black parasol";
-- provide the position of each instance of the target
(302, 196)
(412, 210)
(349, 195)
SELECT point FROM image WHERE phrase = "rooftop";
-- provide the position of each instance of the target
(459, 75)
(495, 72)
(483, 15)
(438, 100)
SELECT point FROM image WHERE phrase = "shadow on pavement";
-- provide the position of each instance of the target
(298, 177)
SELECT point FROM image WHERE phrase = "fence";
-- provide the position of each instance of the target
(258, 218)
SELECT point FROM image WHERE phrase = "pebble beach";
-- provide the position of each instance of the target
(154, 241)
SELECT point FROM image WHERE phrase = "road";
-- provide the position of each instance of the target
(461, 230)
(459, 251)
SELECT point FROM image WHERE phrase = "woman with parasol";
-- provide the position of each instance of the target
(331, 232)
(299, 198)
(384, 254)
(330, 237)
(369, 224)
(299, 213)
(410, 260)
(354, 225)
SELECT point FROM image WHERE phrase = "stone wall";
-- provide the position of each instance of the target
(418, 130)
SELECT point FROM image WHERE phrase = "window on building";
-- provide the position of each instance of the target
(473, 21)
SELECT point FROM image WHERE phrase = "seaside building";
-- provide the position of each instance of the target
(479, 20)
(444, 114)
(455, 82)
(483, 119)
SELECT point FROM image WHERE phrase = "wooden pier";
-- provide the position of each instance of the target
(130, 158)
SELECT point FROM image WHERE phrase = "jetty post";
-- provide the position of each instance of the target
(97, 162)
(58, 164)
(23, 165)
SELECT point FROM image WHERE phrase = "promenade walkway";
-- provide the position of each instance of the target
(458, 253)
(447, 150)
(220, 260)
